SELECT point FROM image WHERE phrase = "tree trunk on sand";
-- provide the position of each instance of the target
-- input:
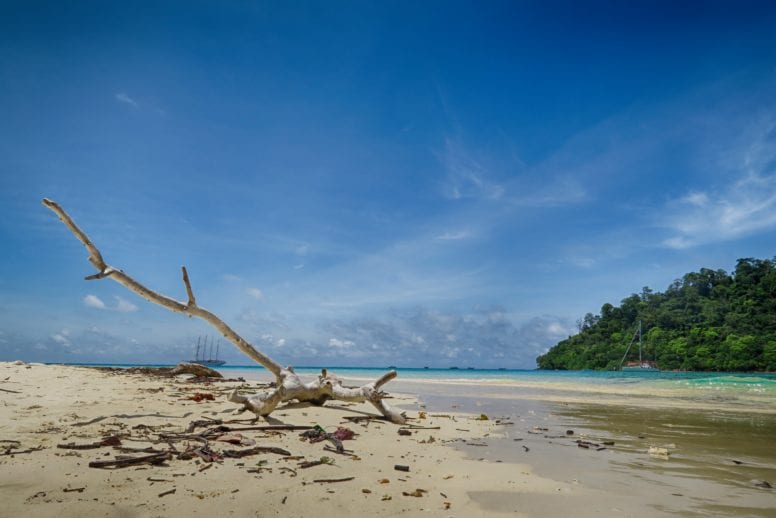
(288, 385)
(195, 369)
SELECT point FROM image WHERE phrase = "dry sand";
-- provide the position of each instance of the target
(524, 460)
(44, 406)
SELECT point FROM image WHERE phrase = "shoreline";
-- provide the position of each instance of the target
(521, 461)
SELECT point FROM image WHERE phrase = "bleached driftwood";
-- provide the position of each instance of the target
(288, 386)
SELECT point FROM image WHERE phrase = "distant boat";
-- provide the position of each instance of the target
(209, 361)
(643, 365)
(453, 368)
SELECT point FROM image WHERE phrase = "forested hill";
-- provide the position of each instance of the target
(707, 320)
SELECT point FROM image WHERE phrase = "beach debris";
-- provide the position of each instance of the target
(366, 491)
(344, 434)
(526, 448)
(193, 425)
(165, 493)
(108, 441)
(318, 434)
(422, 415)
(123, 461)
(203, 452)
(318, 462)
(446, 505)
(347, 453)
(74, 489)
(401, 467)
(236, 454)
(19, 452)
(404, 431)
(569, 432)
(658, 452)
(763, 484)
(11, 391)
(202, 396)
(482, 417)
(417, 493)
(385, 498)
(333, 480)
(236, 438)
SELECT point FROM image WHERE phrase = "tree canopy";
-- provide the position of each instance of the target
(707, 320)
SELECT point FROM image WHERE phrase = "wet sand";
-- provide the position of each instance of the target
(710, 462)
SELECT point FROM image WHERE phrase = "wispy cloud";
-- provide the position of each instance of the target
(255, 293)
(467, 177)
(124, 306)
(126, 99)
(62, 338)
(457, 235)
(745, 206)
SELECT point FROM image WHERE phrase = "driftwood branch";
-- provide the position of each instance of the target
(288, 385)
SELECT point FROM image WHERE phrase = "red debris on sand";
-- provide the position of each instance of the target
(199, 396)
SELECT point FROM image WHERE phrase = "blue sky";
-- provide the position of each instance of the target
(388, 183)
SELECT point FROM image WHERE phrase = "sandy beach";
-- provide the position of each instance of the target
(528, 458)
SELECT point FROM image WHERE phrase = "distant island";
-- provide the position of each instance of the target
(705, 321)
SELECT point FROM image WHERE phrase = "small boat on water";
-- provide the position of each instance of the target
(210, 361)
(643, 365)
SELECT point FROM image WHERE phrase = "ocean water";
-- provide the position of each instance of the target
(736, 392)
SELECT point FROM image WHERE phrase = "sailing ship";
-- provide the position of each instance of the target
(210, 361)
(643, 365)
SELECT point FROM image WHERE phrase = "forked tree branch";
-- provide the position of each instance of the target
(289, 386)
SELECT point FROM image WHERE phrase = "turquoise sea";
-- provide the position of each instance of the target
(755, 392)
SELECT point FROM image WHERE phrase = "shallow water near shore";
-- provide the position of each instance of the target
(704, 462)
(712, 436)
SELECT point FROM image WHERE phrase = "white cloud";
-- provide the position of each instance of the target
(93, 301)
(340, 344)
(255, 293)
(230, 277)
(124, 306)
(126, 99)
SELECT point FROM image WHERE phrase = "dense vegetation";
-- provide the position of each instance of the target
(708, 320)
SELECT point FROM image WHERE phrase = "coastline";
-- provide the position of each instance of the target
(522, 461)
